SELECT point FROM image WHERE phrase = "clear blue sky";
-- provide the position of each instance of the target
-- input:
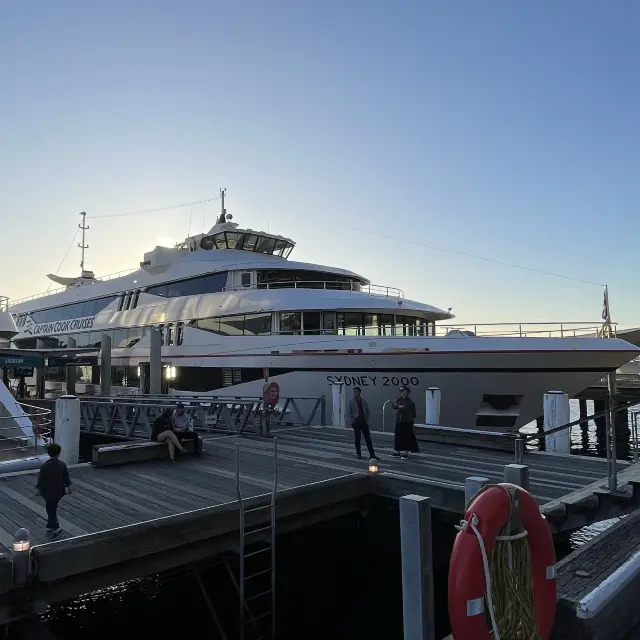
(504, 129)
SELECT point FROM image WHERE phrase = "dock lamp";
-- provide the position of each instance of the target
(373, 465)
(21, 556)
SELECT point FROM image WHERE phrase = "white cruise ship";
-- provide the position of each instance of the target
(231, 303)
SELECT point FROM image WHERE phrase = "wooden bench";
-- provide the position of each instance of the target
(108, 455)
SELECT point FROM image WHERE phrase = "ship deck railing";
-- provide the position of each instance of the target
(487, 330)
(330, 285)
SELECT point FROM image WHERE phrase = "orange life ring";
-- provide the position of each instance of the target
(467, 588)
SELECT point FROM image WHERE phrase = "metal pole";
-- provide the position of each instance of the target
(611, 436)
(273, 538)
(632, 414)
(241, 510)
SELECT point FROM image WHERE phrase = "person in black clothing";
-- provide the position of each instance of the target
(53, 483)
(404, 440)
(163, 432)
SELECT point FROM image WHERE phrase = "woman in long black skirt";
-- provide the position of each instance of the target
(404, 439)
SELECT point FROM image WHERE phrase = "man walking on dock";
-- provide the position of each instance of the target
(358, 415)
(53, 483)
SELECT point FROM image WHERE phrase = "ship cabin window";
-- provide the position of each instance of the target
(83, 309)
(351, 324)
(209, 283)
(299, 278)
(254, 324)
(245, 279)
(248, 241)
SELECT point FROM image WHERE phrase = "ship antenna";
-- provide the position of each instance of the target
(83, 226)
(223, 212)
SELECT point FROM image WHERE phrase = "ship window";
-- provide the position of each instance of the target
(136, 296)
(120, 301)
(311, 321)
(351, 324)
(266, 245)
(169, 336)
(290, 322)
(210, 283)
(179, 333)
(71, 311)
(258, 324)
(246, 279)
(232, 325)
(127, 302)
(330, 323)
(385, 324)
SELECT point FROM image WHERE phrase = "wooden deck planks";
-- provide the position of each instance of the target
(105, 498)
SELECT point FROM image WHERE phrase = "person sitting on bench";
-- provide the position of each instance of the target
(183, 428)
(163, 432)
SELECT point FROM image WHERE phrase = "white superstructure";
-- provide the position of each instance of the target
(230, 303)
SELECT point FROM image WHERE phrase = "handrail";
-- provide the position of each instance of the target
(332, 285)
(106, 278)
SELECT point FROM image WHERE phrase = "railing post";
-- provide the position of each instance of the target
(557, 413)
(517, 474)
(519, 450)
(611, 435)
(417, 568)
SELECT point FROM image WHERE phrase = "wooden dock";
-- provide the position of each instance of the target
(599, 585)
(127, 521)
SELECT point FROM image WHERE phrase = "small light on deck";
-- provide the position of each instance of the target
(21, 540)
(21, 561)
(373, 465)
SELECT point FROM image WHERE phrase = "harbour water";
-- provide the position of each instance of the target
(340, 578)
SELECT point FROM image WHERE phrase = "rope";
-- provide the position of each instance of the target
(508, 578)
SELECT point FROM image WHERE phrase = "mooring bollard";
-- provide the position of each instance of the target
(67, 431)
(472, 485)
(21, 557)
(432, 404)
(339, 404)
(517, 474)
(557, 413)
(417, 568)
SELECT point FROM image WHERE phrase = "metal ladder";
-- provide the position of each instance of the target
(257, 579)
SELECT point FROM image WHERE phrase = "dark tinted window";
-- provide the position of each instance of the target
(257, 324)
(70, 311)
(254, 324)
(290, 322)
(283, 278)
(211, 283)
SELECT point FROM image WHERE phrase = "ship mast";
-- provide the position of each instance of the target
(83, 226)
(223, 212)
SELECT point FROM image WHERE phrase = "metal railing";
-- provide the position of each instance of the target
(525, 330)
(133, 417)
(332, 285)
(109, 276)
(41, 424)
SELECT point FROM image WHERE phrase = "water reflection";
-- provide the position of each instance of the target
(589, 438)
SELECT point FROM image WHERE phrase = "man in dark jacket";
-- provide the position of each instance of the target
(53, 483)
